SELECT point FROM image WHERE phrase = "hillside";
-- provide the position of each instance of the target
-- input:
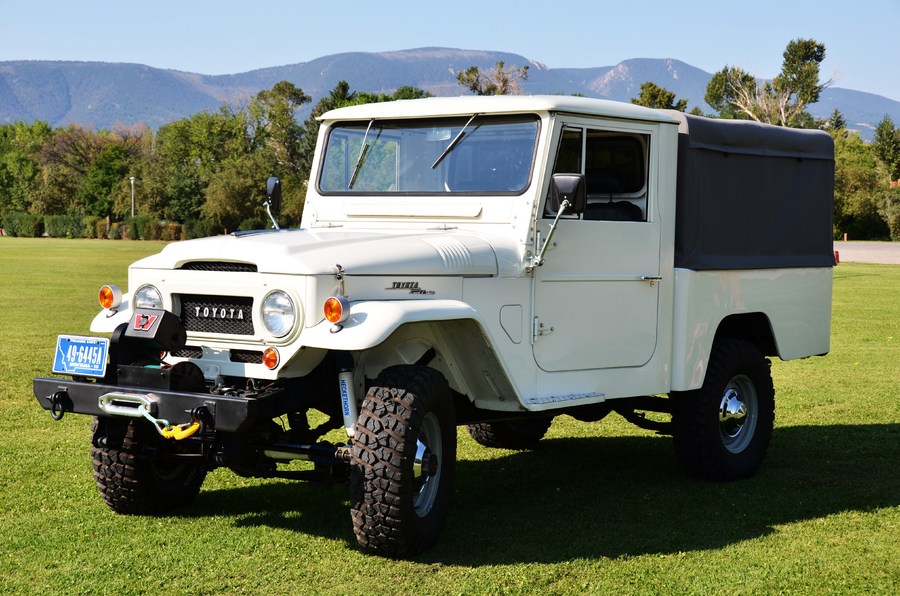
(103, 95)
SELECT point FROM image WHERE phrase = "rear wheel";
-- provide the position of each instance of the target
(722, 430)
(402, 464)
(132, 483)
(510, 434)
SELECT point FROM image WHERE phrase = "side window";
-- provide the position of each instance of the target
(614, 165)
(570, 152)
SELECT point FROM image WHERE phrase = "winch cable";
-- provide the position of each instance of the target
(179, 432)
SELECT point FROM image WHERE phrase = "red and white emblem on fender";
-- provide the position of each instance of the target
(144, 322)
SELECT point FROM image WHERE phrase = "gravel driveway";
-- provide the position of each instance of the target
(869, 252)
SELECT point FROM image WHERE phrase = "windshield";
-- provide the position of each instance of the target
(473, 154)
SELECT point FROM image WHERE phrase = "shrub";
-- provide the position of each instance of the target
(889, 208)
(140, 227)
(115, 231)
(89, 226)
(101, 229)
(64, 226)
(252, 223)
(199, 228)
(170, 230)
(22, 224)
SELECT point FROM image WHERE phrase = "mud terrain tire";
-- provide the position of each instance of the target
(135, 485)
(406, 425)
(721, 431)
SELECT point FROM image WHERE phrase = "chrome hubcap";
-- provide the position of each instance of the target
(738, 413)
(426, 465)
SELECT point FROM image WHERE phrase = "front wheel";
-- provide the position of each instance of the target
(402, 462)
(722, 430)
(133, 483)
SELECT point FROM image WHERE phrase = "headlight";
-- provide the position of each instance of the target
(278, 313)
(147, 297)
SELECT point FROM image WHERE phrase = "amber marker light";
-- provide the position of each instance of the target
(337, 309)
(110, 296)
(270, 358)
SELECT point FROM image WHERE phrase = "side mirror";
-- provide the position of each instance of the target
(567, 195)
(568, 187)
(273, 194)
(273, 199)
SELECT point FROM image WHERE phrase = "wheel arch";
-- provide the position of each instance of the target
(690, 367)
(753, 327)
(458, 348)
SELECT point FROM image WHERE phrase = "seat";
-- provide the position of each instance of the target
(613, 211)
(601, 181)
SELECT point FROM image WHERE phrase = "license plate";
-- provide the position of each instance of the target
(81, 356)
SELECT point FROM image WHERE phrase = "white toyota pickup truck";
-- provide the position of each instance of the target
(482, 261)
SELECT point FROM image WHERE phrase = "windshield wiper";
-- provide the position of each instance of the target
(363, 150)
(456, 140)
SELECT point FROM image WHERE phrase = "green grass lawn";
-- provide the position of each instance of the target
(597, 508)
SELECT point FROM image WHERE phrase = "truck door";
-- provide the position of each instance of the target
(596, 295)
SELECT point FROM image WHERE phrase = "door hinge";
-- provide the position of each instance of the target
(540, 328)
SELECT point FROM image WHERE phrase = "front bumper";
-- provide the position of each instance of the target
(225, 413)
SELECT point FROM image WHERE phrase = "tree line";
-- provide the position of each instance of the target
(205, 174)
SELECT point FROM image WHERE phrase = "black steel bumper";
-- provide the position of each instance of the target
(225, 413)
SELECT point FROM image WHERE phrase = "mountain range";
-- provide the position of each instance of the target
(105, 95)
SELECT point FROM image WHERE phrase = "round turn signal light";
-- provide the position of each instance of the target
(110, 296)
(337, 309)
(271, 358)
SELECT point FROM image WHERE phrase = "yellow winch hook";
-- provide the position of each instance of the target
(179, 432)
(182, 431)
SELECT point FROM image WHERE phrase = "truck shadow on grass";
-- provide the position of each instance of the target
(610, 497)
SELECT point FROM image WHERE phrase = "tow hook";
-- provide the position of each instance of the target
(59, 403)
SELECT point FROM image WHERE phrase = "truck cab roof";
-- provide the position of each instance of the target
(497, 104)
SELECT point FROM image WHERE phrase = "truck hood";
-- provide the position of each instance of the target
(312, 252)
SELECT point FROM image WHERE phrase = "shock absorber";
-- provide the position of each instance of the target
(345, 387)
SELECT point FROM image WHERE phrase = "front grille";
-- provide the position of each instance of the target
(242, 356)
(228, 315)
(188, 352)
(219, 266)
(247, 356)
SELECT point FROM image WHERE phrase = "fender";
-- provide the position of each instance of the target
(371, 322)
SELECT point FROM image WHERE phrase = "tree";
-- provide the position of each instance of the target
(857, 188)
(20, 171)
(73, 148)
(654, 96)
(205, 140)
(499, 81)
(726, 90)
(108, 169)
(889, 208)
(835, 123)
(235, 194)
(735, 93)
(887, 146)
(275, 110)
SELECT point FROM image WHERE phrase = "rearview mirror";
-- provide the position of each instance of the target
(273, 194)
(273, 199)
(568, 187)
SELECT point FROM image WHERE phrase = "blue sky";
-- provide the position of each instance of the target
(226, 36)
